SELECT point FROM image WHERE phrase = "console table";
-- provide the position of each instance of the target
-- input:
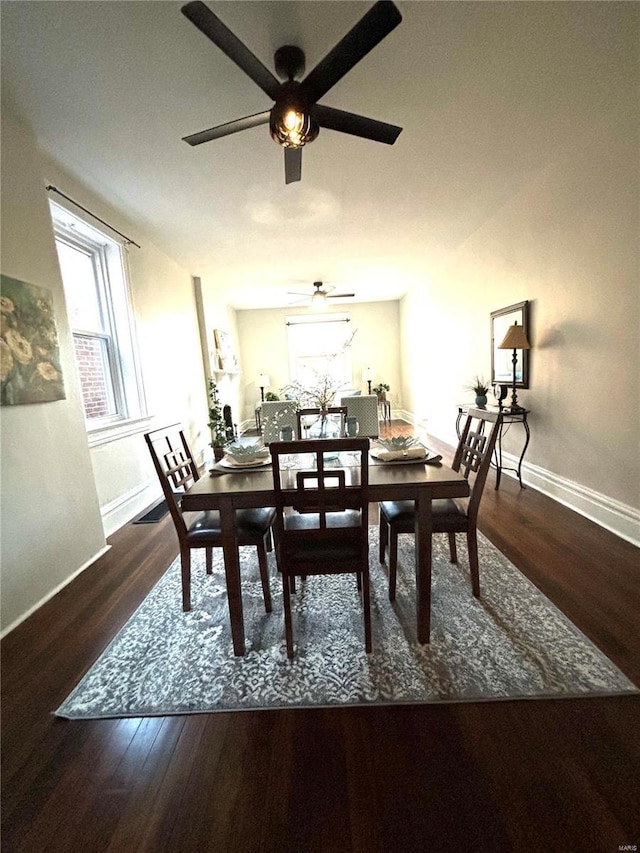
(384, 410)
(508, 418)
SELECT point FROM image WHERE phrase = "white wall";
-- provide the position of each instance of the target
(263, 347)
(50, 514)
(59, 497)
(567, 241)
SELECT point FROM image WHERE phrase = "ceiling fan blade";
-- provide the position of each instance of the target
(363, 37)
(340, 295)
(356, 125)
(292, 165)
(221, 35)
(225, 129)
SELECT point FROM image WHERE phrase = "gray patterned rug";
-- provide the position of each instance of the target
(512, 643)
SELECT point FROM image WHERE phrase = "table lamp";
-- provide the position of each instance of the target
(515, 339)
(263, 382)
(368, 375)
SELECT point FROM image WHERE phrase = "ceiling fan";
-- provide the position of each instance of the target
(318, 298)
(296, 116)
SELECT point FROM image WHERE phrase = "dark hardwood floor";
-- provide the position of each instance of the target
(536, 775)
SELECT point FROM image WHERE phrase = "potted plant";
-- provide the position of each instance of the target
(381, 391)
(480, 388)
(217, 423)
(271, 396)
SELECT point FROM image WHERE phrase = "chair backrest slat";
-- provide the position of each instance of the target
(317, 489)
(474, 452)
(175, 466)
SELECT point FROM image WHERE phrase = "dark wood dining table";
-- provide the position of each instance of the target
(241, 489)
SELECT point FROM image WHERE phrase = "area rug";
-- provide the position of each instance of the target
(511, 643)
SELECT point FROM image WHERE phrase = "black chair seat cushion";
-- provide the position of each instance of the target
(311, 520)
(308, 549)
(447, 514)
(251, 524)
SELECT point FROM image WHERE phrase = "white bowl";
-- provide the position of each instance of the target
(245, 452)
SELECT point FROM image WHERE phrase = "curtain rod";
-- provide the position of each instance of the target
(128, 240)
(312, 319)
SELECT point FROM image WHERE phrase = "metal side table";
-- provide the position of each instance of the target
(508, 418)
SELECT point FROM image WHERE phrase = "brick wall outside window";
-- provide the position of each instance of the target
(92, 379)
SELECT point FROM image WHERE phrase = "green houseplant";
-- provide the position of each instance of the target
(480, 388)
(217, 424)
(381, 391)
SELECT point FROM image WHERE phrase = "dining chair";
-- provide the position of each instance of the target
(301, 414)
(177, 470)
(449, 515)
(321, 524)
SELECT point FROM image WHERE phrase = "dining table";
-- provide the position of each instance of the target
(230, 489)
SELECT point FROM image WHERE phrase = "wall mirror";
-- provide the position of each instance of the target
(501, 359)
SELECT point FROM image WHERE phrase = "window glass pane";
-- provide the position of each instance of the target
(80, 288)
(318, 349)
(95, 378)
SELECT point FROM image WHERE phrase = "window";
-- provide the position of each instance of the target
(318, 346)
(93, 272)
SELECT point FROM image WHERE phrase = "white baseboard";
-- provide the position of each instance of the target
(54, 591)
(613, 515)
(120, 511)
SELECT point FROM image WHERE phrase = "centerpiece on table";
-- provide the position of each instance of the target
(319, 393)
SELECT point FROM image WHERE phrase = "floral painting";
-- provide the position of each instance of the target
(29, 354)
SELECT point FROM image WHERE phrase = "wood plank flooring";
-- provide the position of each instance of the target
(540, 775)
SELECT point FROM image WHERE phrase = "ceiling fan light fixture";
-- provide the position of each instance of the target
(291, 126)
(319, 300)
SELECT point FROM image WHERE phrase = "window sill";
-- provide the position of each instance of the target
(114, 432)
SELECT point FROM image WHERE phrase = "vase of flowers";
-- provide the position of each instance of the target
(318, 393)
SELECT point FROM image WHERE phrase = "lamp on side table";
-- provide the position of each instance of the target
(515, 339)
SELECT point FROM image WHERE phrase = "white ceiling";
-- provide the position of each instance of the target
(487, 93)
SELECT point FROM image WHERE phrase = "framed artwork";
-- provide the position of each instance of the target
(502, 359)
(225, 357)
(29, 353)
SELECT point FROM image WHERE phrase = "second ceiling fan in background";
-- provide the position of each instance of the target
(318, 299)
(296, 117)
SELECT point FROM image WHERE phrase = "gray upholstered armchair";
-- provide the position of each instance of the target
(365, 409)
(274, 414)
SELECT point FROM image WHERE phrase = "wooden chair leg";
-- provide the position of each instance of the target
(269, 540)
(264, 576)
(286, 600)
(384, 537)
(185, 566)
(393, 562)
(359, 581)
(292, 583)
(472, 547)
(366, 606)
(453, 554)
(209, 560)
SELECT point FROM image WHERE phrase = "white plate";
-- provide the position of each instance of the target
(227, 462)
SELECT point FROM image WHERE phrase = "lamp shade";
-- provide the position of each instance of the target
(367, 374)
(515, 338)
(263, 381)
